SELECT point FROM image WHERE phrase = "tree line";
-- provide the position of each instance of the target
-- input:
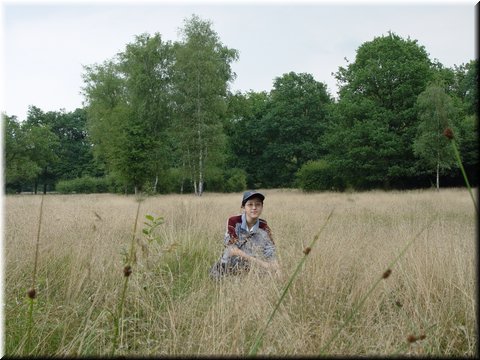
(159, 117)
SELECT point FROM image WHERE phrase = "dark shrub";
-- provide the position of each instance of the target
(319, 175)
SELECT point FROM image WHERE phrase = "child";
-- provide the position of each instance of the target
(248, 240)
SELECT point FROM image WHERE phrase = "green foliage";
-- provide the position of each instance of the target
(152, 224)
(231, 180)
(363, 154)
(201, 73)
(292, 127)
(244, 129)
(31, 149)
(19, 164)
(468, 133)
(371, 131)
(436, 112)
(85, 185)
(159, 118)
(388, 70)
(236, 180)
(175, 181)
(466, 86)
(127, 109)
(319, 175)
(75, 157)
(214, 180)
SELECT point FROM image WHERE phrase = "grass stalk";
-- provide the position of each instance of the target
(385, 275)
(259, 338)
(411, 339)
(127, 271)
(459, 160)
(32, 293)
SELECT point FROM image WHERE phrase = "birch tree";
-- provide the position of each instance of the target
(436, 113)
(201, 74)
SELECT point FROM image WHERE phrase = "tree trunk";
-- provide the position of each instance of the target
(195, 187)
(438, 176)
(438, 170)
(45, 177)
(184, 171)
(155, 184)
(200, 173)
(200, 144)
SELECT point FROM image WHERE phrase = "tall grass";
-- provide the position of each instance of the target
(32, 292)
(173, 308)
(448, 133)
(127, 271)
(306, 251)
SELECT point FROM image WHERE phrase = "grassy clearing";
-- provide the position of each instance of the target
(173, 308)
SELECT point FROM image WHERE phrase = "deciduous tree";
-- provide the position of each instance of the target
(376, 110)
(246, 134)
(436, 112)
(201, 75)
(292, 127)
(127, 106)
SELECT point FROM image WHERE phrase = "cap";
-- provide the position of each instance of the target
(249, 194)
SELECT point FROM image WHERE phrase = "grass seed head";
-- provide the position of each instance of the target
(387, 273)
(32, 293)
(448, 133)
(411, 338)
(127, 270)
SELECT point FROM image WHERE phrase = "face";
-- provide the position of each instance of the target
(253, 208)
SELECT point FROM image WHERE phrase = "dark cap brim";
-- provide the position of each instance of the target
(250, 194)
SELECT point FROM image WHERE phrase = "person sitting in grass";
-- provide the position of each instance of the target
(248, 240)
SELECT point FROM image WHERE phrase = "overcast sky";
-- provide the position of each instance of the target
(45, 44)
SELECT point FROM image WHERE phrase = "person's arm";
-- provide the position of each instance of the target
(265, 264)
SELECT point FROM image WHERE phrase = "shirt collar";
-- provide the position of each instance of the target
(245, 226)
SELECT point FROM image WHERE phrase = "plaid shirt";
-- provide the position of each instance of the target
(256, 242)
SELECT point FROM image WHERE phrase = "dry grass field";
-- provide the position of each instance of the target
(173, 308)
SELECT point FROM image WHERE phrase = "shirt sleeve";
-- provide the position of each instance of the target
(269, 251)
(230, 232)
(269, 247)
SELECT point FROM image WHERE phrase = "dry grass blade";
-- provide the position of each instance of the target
(172, 308)
(32, 292)
(258, 340)
(385, 275)
(459, 160)
(127, 271)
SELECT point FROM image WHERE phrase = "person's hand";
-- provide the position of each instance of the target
(234, 251)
